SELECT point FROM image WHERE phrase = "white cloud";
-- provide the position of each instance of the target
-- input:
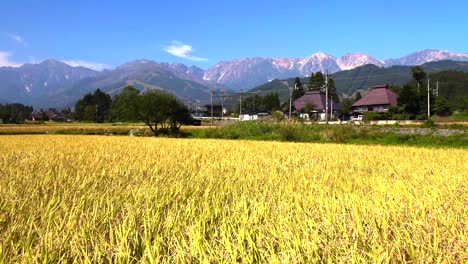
(87, 64)
(5, 61)
(17, 38)
(182, 50)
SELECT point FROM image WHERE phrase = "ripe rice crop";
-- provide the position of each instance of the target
(125, 199)
(77, 128)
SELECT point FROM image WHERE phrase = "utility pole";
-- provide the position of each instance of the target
(254, 102)
(326, 97)
(290, 98)
(428, 100)
(290, 102)
(240, 104)
(222, 104)
(437, 88)
(211, 95)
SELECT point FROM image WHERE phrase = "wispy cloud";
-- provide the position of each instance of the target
(182, 50)
(17, 38)
(5, 61)
(92, 65)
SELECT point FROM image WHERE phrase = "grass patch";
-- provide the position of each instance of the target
(331, 134)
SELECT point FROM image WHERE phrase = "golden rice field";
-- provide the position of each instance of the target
(76, 128)
(98, 199)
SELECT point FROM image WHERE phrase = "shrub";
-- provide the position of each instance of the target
(136, 133)
(421, 116)
(339, 134)
(368, 116)
(278, 116)
(429, 123)
(288, 133)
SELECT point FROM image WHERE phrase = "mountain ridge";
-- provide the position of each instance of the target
(237, 73)
(56, 82)
(364, 77)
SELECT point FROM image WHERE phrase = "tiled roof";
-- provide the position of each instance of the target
(379, 95)
(317, 99)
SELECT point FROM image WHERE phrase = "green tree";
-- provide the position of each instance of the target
(124, 105)
(453, 87)
(162, 112)
(271, 102)
(93, 107)
(316, 82)
(418, 75)
(252, 103)
(15, 113)
(357, 97)
(442, 107)
(103, 103)
(409, 100)
(346, 106)
(332, 91)
(85, 109)
(298, 89)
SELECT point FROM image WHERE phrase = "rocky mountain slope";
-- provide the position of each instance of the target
(251, 72)
(56, 84)
(36, 80)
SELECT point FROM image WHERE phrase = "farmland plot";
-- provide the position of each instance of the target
(126, 199)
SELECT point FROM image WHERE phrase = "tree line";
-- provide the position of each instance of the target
(162, 112)
(256, 103)
(412, 97)
(14, 113)
(317, 82)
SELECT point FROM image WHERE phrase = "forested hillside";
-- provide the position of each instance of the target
(364, 77)
(453, 85)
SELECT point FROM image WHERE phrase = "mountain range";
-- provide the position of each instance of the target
(251, 72)
(364, 77)
(54, 83)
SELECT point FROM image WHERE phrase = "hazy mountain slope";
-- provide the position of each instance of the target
(30, 81)
(56, 84)
(141, 75)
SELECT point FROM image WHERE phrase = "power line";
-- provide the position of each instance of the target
(232, 94)
(374, 76)
(369, 76)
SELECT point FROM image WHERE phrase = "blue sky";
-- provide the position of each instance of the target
(105, 33)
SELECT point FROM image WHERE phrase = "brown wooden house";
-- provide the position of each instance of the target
(317, 100)
(379, 99)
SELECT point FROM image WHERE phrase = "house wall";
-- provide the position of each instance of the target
(248, 117)
(373, 108)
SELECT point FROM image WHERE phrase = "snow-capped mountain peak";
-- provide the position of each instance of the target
(322, 56)
(352, 60)
(428, 55)
(249, 72)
